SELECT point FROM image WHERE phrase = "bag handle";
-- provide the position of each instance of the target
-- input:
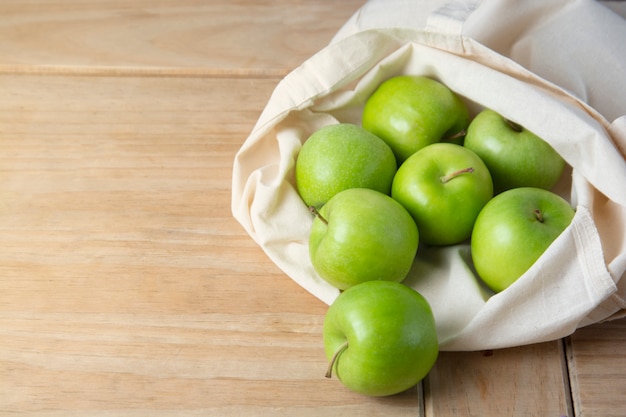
(617, 129)
(450, 18)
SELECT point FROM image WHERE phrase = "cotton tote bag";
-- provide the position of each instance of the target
(576, 282)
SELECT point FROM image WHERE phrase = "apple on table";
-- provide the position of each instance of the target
(380, 338)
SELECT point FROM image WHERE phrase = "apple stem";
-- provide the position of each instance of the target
(318, 215)
(456, 135)
(539, 215)
(454, 174)
(514, 125)
(329, 371)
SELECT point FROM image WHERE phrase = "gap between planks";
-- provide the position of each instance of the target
(565, 354)
(131, 71)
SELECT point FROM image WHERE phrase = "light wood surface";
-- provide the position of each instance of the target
(597, 368)
(127, 288)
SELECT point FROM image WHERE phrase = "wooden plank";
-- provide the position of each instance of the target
(597, 366)
(245, 37)
(522, 381)
(126, 286)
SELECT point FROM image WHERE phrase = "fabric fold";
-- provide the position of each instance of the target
(578, 281)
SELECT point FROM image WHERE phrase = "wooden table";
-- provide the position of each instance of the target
(126, 286)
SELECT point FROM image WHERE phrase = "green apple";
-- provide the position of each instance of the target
(380, 338)
(513, 230)
(515, 156)
(341, 156)
(362, 235)
(444, 187)
(411, 112)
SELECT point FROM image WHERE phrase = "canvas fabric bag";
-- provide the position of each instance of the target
(579, 280)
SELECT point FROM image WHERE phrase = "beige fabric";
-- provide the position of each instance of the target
(579, 280)
(577, 44)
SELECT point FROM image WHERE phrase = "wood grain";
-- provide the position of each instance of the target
(253, 38)
(522, 381)
(126, 286)
(596, 366)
